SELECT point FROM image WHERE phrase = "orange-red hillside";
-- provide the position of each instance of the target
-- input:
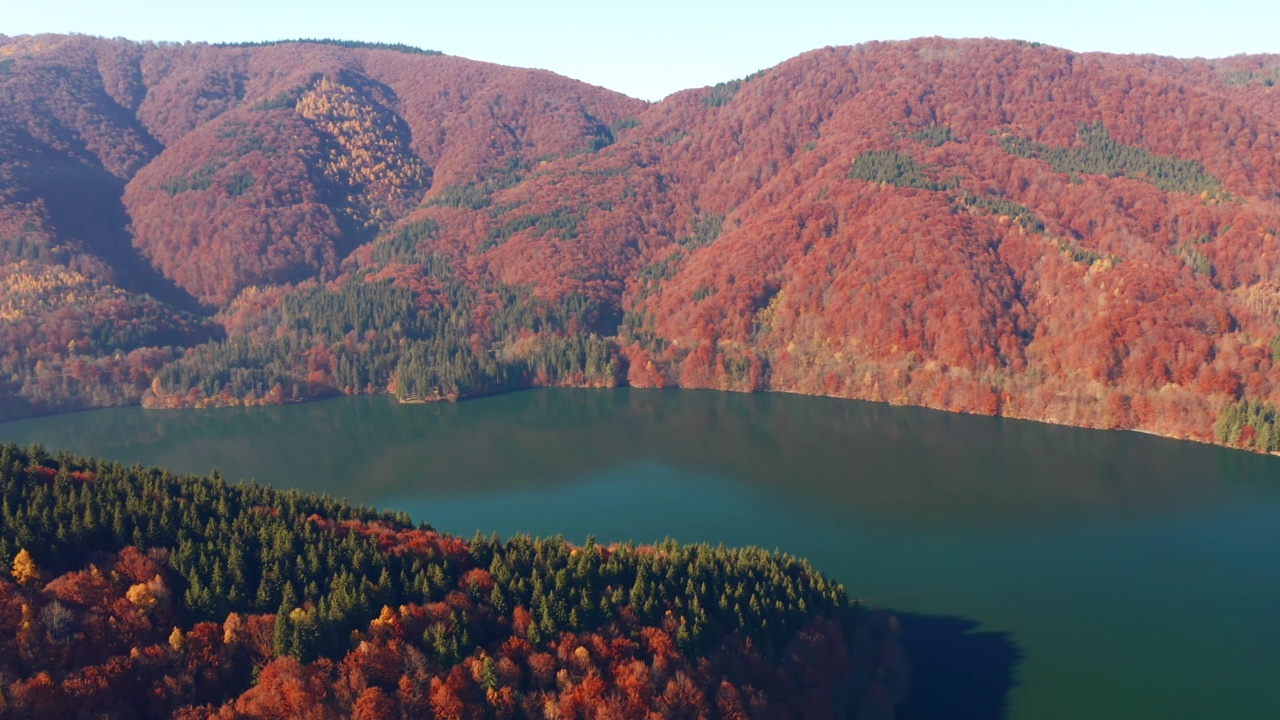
(980, 226)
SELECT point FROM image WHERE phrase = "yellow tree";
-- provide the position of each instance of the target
(24, 568)
(141, 596)
(176, 639)
(231, 629)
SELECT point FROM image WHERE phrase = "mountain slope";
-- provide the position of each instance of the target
(980, 226)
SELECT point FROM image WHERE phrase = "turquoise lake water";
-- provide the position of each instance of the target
(1039, 571)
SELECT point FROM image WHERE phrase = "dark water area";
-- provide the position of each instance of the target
(1037, 571)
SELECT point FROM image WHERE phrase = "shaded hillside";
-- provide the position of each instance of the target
(980, 226)
(141, 604)
(164, 178)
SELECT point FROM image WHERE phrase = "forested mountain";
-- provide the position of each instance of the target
(135, 593)
(980, 226)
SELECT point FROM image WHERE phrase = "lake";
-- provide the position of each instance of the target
(1039, 571)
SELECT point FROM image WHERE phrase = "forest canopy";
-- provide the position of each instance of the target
(135, 592)
(980, 226)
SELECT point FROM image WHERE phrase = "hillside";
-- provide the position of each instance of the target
(244, 602)
(978, 226)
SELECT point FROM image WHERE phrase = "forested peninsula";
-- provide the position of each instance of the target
(137, 593)
(983, 226)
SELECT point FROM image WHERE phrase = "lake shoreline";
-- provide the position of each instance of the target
(1015, 554)
(497, 393)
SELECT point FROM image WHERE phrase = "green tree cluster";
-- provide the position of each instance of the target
(722, 93)
(1199, 263)
(251, 549)
(1020, 214)
(894, 168)
(933, 135)
(201, 179)
(1100, 154)
(704, 231)
(380, 336)
(1252, 424)
(562, 221)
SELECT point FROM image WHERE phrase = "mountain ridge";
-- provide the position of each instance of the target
(982, 226)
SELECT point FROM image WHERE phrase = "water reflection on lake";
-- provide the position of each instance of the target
(1082, 573)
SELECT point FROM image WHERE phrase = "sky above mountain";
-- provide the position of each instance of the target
(651, 49)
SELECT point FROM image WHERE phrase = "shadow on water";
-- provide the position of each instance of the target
(957, 671)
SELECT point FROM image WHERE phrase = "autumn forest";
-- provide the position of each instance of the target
(135, 593)
(978, 226)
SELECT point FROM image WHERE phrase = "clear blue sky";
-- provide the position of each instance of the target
(649, 49)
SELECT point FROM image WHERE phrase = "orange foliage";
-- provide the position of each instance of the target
(722, 226)
(120, 661)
